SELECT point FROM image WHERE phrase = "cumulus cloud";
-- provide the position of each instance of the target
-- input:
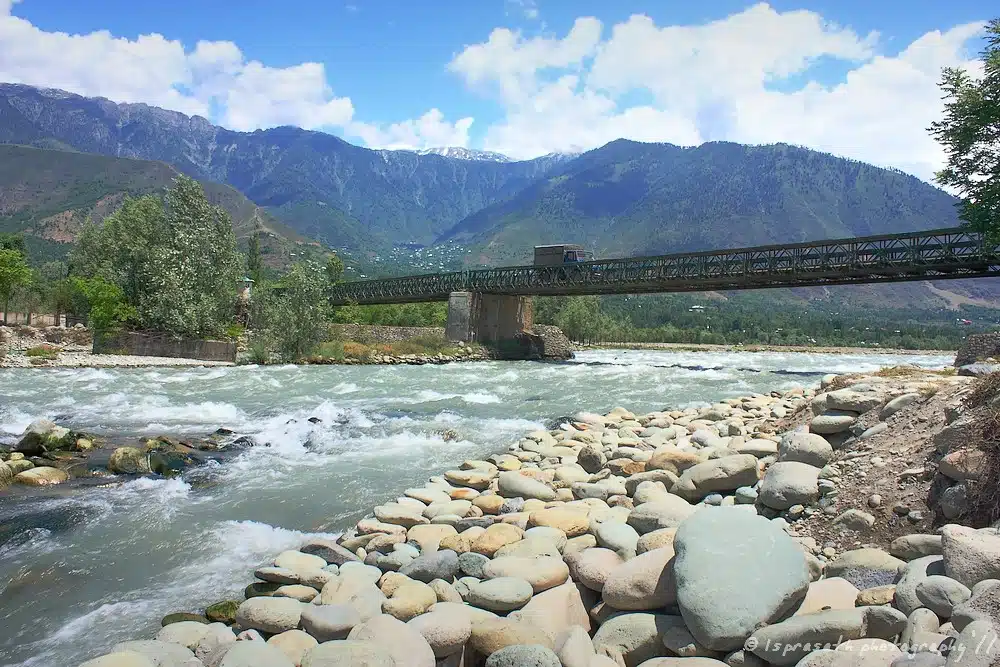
(429, 131)
(753, 77)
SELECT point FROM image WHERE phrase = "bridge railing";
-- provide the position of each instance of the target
(938, 254)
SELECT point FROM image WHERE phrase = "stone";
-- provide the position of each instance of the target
(428, 537)
(865, 567)
(620, 537)
(444, 591)
(954, 501)
(472, 564)
(358, 592)
(909, 547)
(977, 646)
(531, 547)
(680, 641)
(43, 435)
(489, 636)
(256, 654)
(673, 459)
(787, 642)
(446, 633)
(495, 537)
(405, 644)
(489, 504)
(542, 573)
(723, 474)
(983, 605)
(516, 485)
(438, 565)
(855, 520)
(523, 655)
(961, 465)
(592, 567)
(474, 479)
(897, 404)
(269, 614)
(875, 596)
(296, 592)
(410, 599)
(258, 589)
(123, 659)
(501, 594)
(664, 537)
(591, 458)
(349, 654)
(805, 447)
(327, 622)
(128, 461)
(186, 633)
(581, 543)
(855, 653)
(587, 490)
(215, 642)
(913, 573)
(666, 513)
(575, 649)
(222, 612)
(759, 447)
(735, 571)
(160, 654)
(970, 555)
(557, 610)
(293, 643)
(789, 483)
(399, 515)
(572, 522)
(940, 594)
(330, 551)
(832, 593)
(41, 476)
(642, 583)
(635, 637)
(833, 421)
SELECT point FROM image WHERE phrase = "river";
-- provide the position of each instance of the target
(82, 571)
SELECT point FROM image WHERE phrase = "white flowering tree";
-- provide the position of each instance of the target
(174, 258)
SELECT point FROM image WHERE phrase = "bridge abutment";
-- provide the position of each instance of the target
(487, 318)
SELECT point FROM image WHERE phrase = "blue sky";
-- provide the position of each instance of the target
(387, 64)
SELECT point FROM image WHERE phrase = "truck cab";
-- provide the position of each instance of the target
(557, 255)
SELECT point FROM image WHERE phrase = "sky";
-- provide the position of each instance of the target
(855, 78)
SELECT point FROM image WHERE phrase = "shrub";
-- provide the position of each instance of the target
(331, 349)
(357, 350)
(984, 492)
(235, 331)
(42, 352)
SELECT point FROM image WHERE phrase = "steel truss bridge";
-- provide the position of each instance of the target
(933, 255)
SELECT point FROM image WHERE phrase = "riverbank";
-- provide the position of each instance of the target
(705, 347)
(725, 532)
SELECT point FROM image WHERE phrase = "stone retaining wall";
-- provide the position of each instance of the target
(161, 345)
(978, 347)
(382, 335)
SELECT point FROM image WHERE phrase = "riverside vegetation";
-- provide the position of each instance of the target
(726, 535)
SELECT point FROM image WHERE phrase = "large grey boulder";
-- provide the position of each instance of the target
(977, 646)
(255, 654)
(909, 547)
(865, 568)
(833, 421)
(724, 474)
(788, 483)
(970, 555)
(941, 594)
(523, 655)
(353, 653)
(404, 643)
(438, 565)
(161, 654)
(805, 447)
(269, 614)
(915, 572)
(329, 551)
(789, 641)
(634, 638)
(984, 605)
(853, 400)
(735, 571)
(327, 622)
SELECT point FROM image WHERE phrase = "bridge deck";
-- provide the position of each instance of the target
(933, 255)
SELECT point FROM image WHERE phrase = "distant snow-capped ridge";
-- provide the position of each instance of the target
(466, 154)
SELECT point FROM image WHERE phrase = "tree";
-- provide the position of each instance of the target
(102, 302)
(970, 133)
(292, 317)
(173, 257)
(14, 273)
(334, 269)
(13, 242)
(255, 264)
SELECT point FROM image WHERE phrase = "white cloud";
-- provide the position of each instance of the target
(750, 77)
(429, 131)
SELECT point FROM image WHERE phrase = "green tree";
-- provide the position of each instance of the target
(255, 263)
(970, 133)
(334, 269)
(102, 302)
(13, 242)
(292, 317)
(174, 258)
(14, 273)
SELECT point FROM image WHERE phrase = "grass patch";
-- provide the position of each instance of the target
(42, 352)
(331, 349)
(422, 345)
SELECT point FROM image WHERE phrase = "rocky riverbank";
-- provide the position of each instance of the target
(746, 533)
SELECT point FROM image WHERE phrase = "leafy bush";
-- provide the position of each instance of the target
(331, 349)
(102, 302)
(354, 350)
(292, 316)
(42, 352)
(235, 331)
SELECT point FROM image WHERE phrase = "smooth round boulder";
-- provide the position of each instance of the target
(542, 573)
(445, 632)
(940, 594)
(186, 633)
(501, 594)
(293, 643)
(348, 654)
(644, 582)
(438, 565)
(269, 614)
(592, 567)
(805, 447)
(523, 655)
(735, 571)
(41, 476)
(254, 654)
(635, 637)
(489, 636)
(618, 536)
(789, 483)
(658, 514)
(157, 652)
(572, 522)
(122, 659)
(515, 485)
(496, 536)
(404, 643)
(970, 555)
(328, 622)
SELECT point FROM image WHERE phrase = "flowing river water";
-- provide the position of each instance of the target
(82, 570)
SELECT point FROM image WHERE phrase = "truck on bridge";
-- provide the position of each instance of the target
(557, 255)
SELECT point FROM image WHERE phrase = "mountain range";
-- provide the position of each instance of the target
(625, 198)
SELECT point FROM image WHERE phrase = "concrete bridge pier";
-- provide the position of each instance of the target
(487, 318)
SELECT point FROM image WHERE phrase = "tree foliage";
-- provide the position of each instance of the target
(103, 303)
(173, 257)
(291, 318)
(14, 273)
(255, 263)
(970, 133)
